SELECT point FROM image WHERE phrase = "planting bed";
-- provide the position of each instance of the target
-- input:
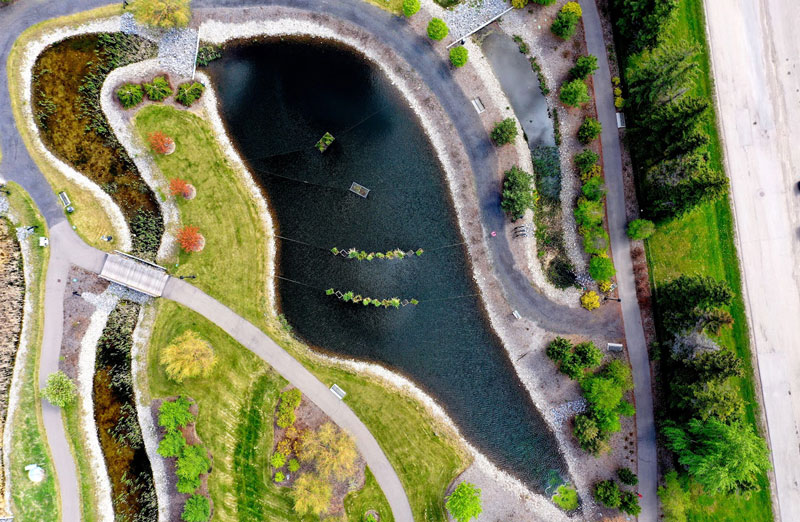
(133, 492)
(67, 79)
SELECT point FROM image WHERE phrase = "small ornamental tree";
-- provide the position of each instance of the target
(589, 130)
(573, 8)
(192, 463)
(196, 509)
(590, 300)
(607, 492)
(158, 89)
(574, 93)
(601, 268)
(518, 194)
(60, 390)
(188, 93)
(584, 66)
(410, 7)
(437, 29)
(174, 414)
(311, 494)
(188, 356)
(164, 14)
(190, 239)
(464, 503)
(564, 25)
(585, 159)
(504, 132)
(459, 56)
(181, 187)
(629, 503)
(588, 354)
(627, 477)
(130, 95)
(160, 142)
(641, 229)
(172, 445)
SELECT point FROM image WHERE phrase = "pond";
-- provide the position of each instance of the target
(278, 98)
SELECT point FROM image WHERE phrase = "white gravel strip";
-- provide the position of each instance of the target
(104, 303)
(219, 32)
(122, 125)
(22, 358)
(141, 340)
(471, 14)
(31, 52)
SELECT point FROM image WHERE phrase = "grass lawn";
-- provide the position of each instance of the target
(28, 444)
(89, 218)
(89, 502)
(393, 6)
(426, 461)
(223, 211)
(702, 242)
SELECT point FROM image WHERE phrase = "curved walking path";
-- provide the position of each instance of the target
(66, 246)
(620, 247)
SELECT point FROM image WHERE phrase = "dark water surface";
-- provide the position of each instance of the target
(278, 98)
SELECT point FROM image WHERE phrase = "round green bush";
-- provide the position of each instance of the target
(60, 390)
(458, 56)
(607, 492)
(294, 465)
(519, 4)
(279, 477)
(504, 132)
(277, 460)
(585, 159)
(641, 229)
(574, 93)
(558, 349)
(437, 29)
(410, 7)
(565, 24)
(158, 90)
(130, 95)
(601, 268)
(196, 509)
(594, 188)
(627, 477)
(589, 130)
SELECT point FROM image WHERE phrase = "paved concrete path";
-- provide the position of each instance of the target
(620, 247)
(754, 51)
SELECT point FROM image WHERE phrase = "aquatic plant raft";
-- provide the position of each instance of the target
(362, 254)
(351, 297)
(325, 142)
(361, 190)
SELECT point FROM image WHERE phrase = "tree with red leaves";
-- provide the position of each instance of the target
(161, 143)
(190, 239)
(180, 187)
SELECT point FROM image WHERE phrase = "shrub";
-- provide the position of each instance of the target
(294, 465)
(572, 8)
(544, 2)
(588, 213)
(594, 188)
(311, 494)
(607, 492)
(180, 187)
(332, 450)
(574, 93)
(458, 56)
(160, 142)
(437, 29)
(59, 390)
(593, 172)
(585, 159)
(571, 366)
(595, 240)
(175, 414)
(601, 268)
(519, 4)
(410, 7)
(279, 477)
(188, 93)
(464, 503)
(172, 445)
(641, 229)
(588, 354)
(130, 95)
(504, 131)
(629, 503)
(589, 130)
(627, 477)
(196, 509)
(188, 356)
(192, 463)
(290, 400)
(584, 66)
(207, 54)
(277, 460)
(518, 194)
(190, 239)
(590, 300)
(164, 14)
(558, 349)
(159, 89)
(292, 397)
(566, 497)
(564, 25)
(588, 434)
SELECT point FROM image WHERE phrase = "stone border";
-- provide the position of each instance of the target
(31, 52)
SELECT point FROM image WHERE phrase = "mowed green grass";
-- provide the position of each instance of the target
(231, 267)
(28, 444)
(89, 502)
(702, 242)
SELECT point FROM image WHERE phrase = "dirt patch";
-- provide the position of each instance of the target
(12, 296)
(310, 418)
(77, 314)
(176, 500)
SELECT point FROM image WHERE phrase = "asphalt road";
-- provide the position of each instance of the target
(755, 50)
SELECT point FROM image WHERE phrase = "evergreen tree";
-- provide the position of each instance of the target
(682, 300)
(661, 75)
(676, 186)
(641, 22)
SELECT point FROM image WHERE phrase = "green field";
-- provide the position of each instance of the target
(425, 455)
(702, 242)
(28, 444)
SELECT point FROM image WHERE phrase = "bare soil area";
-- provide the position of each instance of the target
(12, 295)
(77, 314)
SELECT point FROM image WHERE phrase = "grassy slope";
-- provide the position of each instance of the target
(426, 462)
(89, 218)
(89, 502)
(28, 444)
(703, 243)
